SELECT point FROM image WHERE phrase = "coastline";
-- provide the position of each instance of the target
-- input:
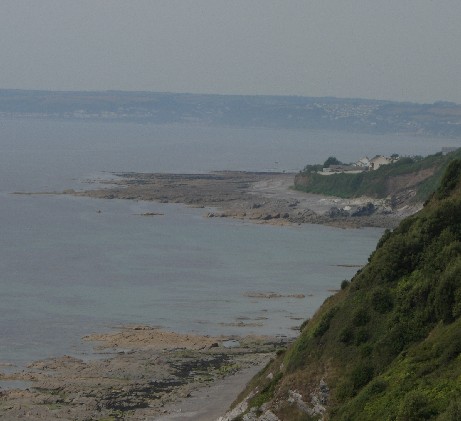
(258, 197)
(142, 373)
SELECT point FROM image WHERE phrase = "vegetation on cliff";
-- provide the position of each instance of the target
(387, 346)
(420, 175)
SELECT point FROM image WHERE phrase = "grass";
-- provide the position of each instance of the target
(377, 183)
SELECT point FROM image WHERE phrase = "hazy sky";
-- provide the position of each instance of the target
(385, 49)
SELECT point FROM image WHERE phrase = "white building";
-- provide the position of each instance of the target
(379, 160)
(363, 162)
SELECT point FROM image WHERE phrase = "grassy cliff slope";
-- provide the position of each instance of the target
(388, 345)
(409, 177)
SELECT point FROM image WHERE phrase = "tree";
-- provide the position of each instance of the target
(332, 160)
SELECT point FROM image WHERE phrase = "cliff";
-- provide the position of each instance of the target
(407, 181)
(388, 345)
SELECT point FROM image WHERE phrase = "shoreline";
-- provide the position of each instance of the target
(257, 197)
(149, 373)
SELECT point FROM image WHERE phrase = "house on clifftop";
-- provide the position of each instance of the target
(379, 160)
(363, 164)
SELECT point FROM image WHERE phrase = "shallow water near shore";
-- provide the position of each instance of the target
(85, 265)
(72, 266)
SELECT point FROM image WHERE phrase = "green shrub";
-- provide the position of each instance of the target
(361, 375)
(304, 324)
(362, 336)
(377, 386)
(449, 347)
(450, 179)
(344, 390)
(345, 284)
(347, 335)
(415, 407)
(457, 304)
(452, 413)
(361, 317)
(366, 351)
(446, 294)
(324, 324)
(382, 301)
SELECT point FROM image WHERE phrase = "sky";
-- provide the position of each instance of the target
(404, 50)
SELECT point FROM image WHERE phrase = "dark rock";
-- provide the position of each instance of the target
(366, 210)
(335, 212)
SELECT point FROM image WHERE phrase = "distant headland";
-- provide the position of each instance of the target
(295, 112)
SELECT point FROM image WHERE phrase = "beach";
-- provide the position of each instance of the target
(140, 373)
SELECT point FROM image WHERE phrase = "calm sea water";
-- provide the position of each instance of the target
(72, 266)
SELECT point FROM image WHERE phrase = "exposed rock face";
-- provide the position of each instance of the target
(318, 400)
(335, 212)
(266, 416)
(366, 210)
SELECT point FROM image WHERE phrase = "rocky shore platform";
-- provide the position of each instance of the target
(139, 373)
(262, 197)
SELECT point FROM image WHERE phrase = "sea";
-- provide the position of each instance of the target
(72, 266)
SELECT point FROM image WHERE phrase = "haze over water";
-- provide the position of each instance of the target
(72, 266)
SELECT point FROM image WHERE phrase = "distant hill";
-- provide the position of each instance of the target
(387, 346)
(408, 180)
(357, 115)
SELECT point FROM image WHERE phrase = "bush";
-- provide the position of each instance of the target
(324, 324)
(457, 304)
(366, 351)
(449, 347)
(361, 375)
(450, 179)
(362, 336)
(446, 294)
(378, 386)
(347, 335)
(453, 412)
(345, 284)
(304, 324)
(361, 317)
(414, 407)
(382, 301)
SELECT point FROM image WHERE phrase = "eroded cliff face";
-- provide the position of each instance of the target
(388, 345)
(398, 200)
(397, 185)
